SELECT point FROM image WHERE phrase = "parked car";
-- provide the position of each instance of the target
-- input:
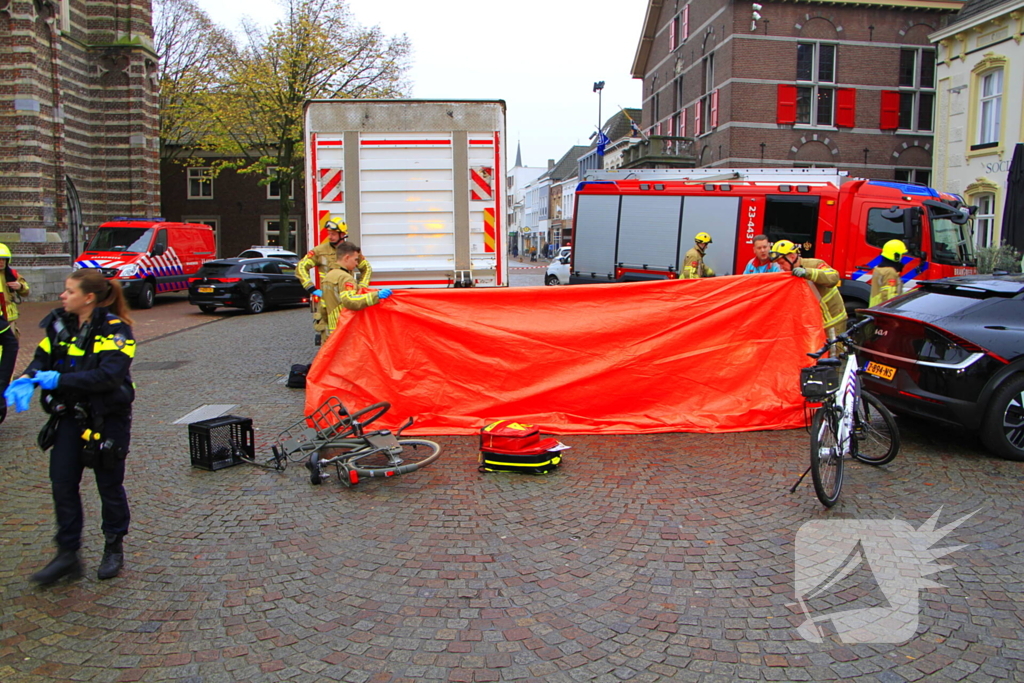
(253, 284)
(952, 350)
(257, 251)
(558, 271)
(148, 255)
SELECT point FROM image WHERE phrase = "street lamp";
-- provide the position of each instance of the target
(598, 87)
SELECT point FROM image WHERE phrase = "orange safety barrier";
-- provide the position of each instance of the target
(714, 355)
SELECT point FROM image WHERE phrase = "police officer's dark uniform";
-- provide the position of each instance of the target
(90, 424)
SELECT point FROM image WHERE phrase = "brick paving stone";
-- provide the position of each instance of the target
(664, 557)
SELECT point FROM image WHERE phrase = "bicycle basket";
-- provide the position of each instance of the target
(818, 381)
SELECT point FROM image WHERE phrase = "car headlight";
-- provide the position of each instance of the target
(130, 270)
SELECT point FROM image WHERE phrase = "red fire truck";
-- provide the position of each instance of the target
(638, 225)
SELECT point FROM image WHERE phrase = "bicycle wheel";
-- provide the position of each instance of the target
(416, 453)
(876, 438)
(826, 459)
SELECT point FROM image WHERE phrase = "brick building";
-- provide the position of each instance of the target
(242, 212)
(78, 126)
(827, 83)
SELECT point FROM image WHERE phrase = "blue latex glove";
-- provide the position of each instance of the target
(800, 272)
(384, 293)
(19, 394)
(47, 379)
(317, 292)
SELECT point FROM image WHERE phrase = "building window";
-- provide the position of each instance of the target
(274, 187)
(200, 183)
(918, 176)
(707, 107)
(984, 220)
(816, 77)
(272, 232)
(917, 89)
(990, 107)
(673, 33)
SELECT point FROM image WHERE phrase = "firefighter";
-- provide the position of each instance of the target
(343, 290)
(885, 278)
(83, 365)
(825, 279)
(13, 289)
(323, 258)
(693, 262)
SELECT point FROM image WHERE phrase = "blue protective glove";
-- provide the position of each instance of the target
(800, 271)
(384, 293)
(317, 292)
(47, 379)
(19, 394)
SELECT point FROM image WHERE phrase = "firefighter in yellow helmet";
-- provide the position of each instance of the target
(825, 279)
(321, 260)
(342, 290)
(13, 289)
(885, 278)
(693, 262)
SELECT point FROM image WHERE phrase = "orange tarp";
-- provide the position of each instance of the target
(714, 355)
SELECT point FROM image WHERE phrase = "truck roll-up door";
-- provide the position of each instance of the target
(594, 239)
(648, 237)
(717, 216)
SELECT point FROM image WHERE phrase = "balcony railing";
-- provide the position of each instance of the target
(661, 151)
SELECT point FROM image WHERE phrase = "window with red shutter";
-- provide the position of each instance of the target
(686, 22)
(682, 123)
(714, 108)
(846, 107)
(672, 33)
(696, 118)
(890, 116)
(786, 106)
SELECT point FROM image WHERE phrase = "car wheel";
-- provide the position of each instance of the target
(255, 303)
(1003, 429)
(207, 308)
(552, 280)
(145, 297)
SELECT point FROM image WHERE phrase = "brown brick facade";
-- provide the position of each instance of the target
(79, 103)
(750, 64)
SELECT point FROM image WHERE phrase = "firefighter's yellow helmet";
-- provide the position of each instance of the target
(782, 248)
(894, 250)
(5, 252)
(702, 237)
(337, 226)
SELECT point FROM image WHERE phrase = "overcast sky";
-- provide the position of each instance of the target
(541, 56)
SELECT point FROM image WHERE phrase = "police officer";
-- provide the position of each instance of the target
(342, 290)
(885, 278)
(323, 259)
(693, 262)
(83, 366)
(825, 279)
(13, 289)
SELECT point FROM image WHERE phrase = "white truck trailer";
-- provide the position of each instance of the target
(420, 184)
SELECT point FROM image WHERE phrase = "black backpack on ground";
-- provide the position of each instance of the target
(297, 377)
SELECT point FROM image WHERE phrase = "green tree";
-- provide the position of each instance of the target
(317, 51)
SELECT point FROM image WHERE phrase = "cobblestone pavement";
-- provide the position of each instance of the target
(645, 558)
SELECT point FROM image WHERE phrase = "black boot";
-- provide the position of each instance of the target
(113, 557)
(65, 564)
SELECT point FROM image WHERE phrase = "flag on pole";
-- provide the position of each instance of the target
(602, 142)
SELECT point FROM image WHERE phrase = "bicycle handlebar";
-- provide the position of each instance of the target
(844, 338)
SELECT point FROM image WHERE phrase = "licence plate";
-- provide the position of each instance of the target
(879, 370)
(206, 290)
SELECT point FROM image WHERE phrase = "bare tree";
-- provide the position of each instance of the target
(194, 53)
(317, 51)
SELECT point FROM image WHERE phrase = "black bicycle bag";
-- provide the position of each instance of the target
(297, 377)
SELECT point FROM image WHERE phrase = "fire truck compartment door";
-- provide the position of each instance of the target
(717, 216)
(649, 233)
(597, 221)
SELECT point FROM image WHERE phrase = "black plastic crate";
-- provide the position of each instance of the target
(221, 442)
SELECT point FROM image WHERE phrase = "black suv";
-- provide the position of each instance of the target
(253, 284)
(952, 350)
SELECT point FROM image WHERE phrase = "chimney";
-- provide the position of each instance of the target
(551, 164)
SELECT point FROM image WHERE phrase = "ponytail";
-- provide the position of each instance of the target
(108, 292)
